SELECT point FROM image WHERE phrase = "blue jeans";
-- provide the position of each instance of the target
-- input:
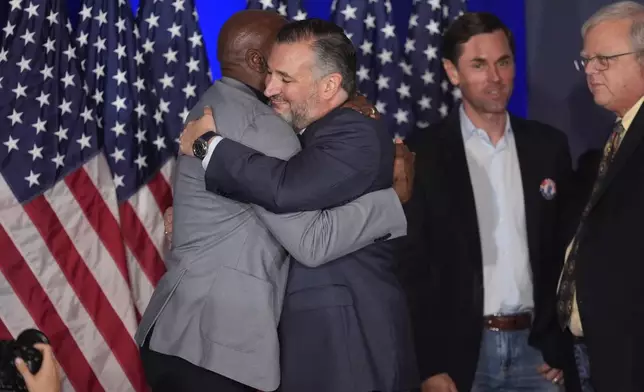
(508, 363)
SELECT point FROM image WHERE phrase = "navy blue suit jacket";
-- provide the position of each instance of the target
(344, 325)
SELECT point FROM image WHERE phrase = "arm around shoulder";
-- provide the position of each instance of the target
(317, 237)
(339, 166)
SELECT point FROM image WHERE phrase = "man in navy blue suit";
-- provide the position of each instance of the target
(344, 325)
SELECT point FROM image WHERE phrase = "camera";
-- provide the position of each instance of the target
(23, 347)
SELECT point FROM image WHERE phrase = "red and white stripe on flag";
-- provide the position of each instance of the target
(81, 269)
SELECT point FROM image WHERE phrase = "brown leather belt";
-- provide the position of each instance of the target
(508, 322)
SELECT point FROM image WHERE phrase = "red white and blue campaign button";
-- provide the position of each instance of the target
(548, 189)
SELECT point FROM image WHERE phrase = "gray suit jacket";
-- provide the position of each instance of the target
(219, 304)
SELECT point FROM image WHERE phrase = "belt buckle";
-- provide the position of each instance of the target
(489, 323)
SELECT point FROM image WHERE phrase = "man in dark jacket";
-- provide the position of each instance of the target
(486, 235)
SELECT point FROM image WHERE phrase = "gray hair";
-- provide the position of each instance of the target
(619, 11)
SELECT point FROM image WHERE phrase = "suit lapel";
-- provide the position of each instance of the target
(628, 146)
(459, 186)
(529, 157)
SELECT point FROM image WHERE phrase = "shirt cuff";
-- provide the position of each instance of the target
(211, 149)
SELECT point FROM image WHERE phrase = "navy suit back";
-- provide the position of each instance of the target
(349, 316)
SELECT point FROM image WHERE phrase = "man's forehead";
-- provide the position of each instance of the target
(298, 49)
(607, 34)
(488, 45)
(289, 55)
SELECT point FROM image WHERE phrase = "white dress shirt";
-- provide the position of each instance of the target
(498, 193)
(211, 149)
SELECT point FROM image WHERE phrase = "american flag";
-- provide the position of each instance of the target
(371, 28)
(407, 83)
(290, 9)
(175, 56)
(139, 152)
(64, 268)
(431, 92)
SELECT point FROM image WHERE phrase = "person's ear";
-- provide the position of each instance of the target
(452, 72)
(255, 60)
(332, 84)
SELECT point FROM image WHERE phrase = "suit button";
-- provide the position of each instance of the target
(383, 238)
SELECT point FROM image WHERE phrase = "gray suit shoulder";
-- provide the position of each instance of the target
(233, 108)
(242, 117)
(269, 134)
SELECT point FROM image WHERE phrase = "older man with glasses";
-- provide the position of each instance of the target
(601, 294)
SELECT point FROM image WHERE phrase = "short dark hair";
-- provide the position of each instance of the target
(334, 50)
(467, 26)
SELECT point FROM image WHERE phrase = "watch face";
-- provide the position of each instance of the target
(200, 148)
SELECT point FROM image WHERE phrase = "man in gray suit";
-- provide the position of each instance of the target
(345, 325)
(212, 321)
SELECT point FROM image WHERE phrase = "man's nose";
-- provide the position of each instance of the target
(590, 68)
(272, 87)
(494, 74)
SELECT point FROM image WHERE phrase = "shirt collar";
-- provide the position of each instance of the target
(468, 129)
(628, 118)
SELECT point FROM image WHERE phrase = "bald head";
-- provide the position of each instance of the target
(244, 44)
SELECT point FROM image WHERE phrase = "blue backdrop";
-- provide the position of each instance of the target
(213, 14)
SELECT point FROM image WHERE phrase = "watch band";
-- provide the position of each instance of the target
(208, 135)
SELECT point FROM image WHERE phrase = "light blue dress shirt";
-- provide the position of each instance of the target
(498, 192)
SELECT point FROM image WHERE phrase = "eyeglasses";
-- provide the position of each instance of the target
(603, 61)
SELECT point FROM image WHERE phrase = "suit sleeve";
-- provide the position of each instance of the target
(553, 345)
(338, 167)
(317, 237)
(569, 209)
(418, 280)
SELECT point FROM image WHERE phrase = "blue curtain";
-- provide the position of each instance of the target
(213, 13)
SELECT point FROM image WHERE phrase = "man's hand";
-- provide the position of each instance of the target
(194, 129)
(167, 225)
(403, 172)
(360, 104)
(47, 379)
(555, 376)
(439, 383)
